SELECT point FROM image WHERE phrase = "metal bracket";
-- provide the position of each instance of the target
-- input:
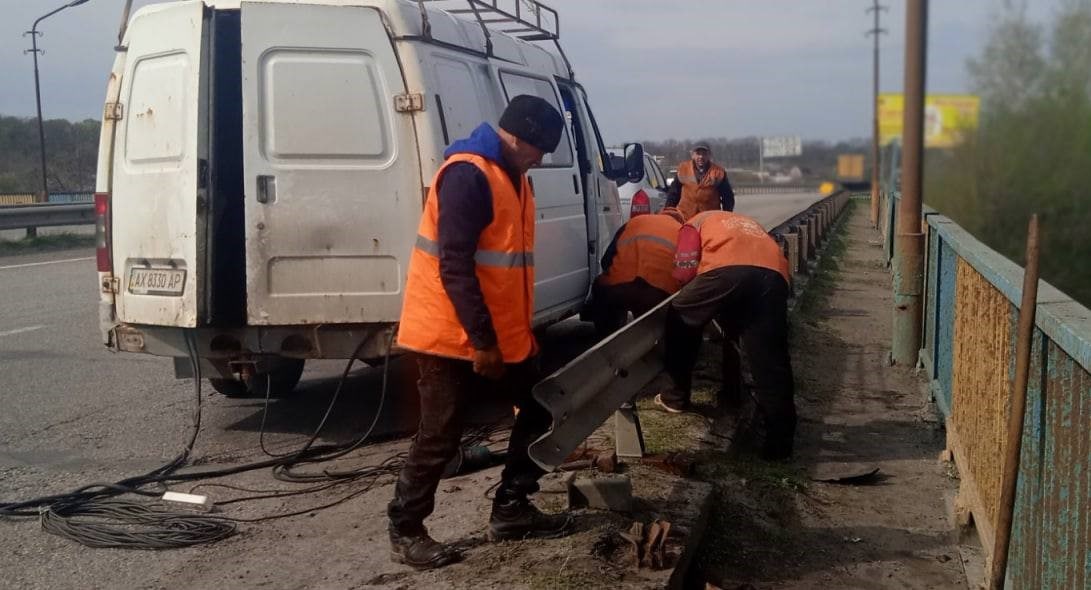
(628, 436)
(114, 111)
(409, 102)
(111, 285)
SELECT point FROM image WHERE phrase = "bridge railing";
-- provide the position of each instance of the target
(972, 298)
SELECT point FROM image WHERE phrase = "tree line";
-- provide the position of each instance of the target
(71, 153)
(1032, 150)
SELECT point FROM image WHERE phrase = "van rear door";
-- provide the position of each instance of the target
(331, 171)
(158, 168)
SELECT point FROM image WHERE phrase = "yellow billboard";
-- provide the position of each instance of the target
(947, 117)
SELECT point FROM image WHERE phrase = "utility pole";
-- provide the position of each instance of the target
(34, 33)
(909, 240)
(876, 9)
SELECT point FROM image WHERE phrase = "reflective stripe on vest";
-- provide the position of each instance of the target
(483, 257)
(656, 239)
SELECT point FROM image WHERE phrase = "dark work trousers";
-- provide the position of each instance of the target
(751, 305)
(637, 296)
(447, 388)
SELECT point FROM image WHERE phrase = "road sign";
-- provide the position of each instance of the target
(781, 147)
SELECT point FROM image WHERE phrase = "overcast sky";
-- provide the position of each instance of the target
(654, 69)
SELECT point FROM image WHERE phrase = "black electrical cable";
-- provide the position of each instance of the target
(86, 516)
(284, 472)
(132, 525)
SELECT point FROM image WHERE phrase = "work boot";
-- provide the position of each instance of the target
(418, 550)
(519, 519)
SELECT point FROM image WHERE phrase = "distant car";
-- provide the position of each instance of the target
(647, 195)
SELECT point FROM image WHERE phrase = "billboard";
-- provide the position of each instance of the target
(781, 147)
(850, 166)
(946, 118)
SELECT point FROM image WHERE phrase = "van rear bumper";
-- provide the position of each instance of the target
(338, 341)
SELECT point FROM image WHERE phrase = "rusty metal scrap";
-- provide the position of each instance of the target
(646, 545)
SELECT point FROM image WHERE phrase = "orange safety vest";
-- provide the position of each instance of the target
(645, 249)
(504, 267)
(699, 196)
(731, 239)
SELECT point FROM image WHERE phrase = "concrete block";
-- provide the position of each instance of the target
(613, 492)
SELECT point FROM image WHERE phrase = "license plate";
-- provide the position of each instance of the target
(157, 281)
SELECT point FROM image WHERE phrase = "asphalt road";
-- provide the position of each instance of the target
(74, 413)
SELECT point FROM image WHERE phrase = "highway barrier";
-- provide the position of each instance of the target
(44, 215)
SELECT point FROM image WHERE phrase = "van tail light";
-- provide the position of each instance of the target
(102, 232)
(641, 205)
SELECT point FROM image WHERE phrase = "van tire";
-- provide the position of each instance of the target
(281, 381)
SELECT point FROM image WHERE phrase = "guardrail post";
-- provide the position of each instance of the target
(812, 234)
(804, 246)
(792, 241)
(32, 231)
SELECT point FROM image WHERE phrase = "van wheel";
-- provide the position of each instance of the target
(280, 381)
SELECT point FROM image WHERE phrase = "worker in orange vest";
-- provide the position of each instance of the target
(736, 273)
(637, 269)
(700, 185)
(469, 301)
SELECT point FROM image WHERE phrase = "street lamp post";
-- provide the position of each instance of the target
(33, 32)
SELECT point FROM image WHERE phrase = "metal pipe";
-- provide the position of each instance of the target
(909, 240)
(1014, 445)
(44, 192)
(875, 157)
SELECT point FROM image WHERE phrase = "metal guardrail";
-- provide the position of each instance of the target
(771, 189)
(45, 215)
(583, 394)
(972, 298)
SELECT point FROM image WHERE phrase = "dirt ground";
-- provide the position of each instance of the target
(774, 526)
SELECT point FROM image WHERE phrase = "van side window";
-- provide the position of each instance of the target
(458, 97)
(516, 84)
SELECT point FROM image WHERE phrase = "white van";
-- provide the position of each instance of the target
(263, 167)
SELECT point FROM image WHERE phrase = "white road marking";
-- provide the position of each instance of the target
(46, 262)
(20, 330)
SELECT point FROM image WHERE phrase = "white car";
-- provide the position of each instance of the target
(647, 195)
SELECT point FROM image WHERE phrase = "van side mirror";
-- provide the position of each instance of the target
(634, 162)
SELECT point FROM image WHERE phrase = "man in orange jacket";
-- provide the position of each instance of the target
(735, 273)
(637, 269)
(469, 302)
(700, 185)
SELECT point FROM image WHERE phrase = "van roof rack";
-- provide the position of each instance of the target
(526, 21)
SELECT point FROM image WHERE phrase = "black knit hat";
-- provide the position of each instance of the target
(534, 121)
